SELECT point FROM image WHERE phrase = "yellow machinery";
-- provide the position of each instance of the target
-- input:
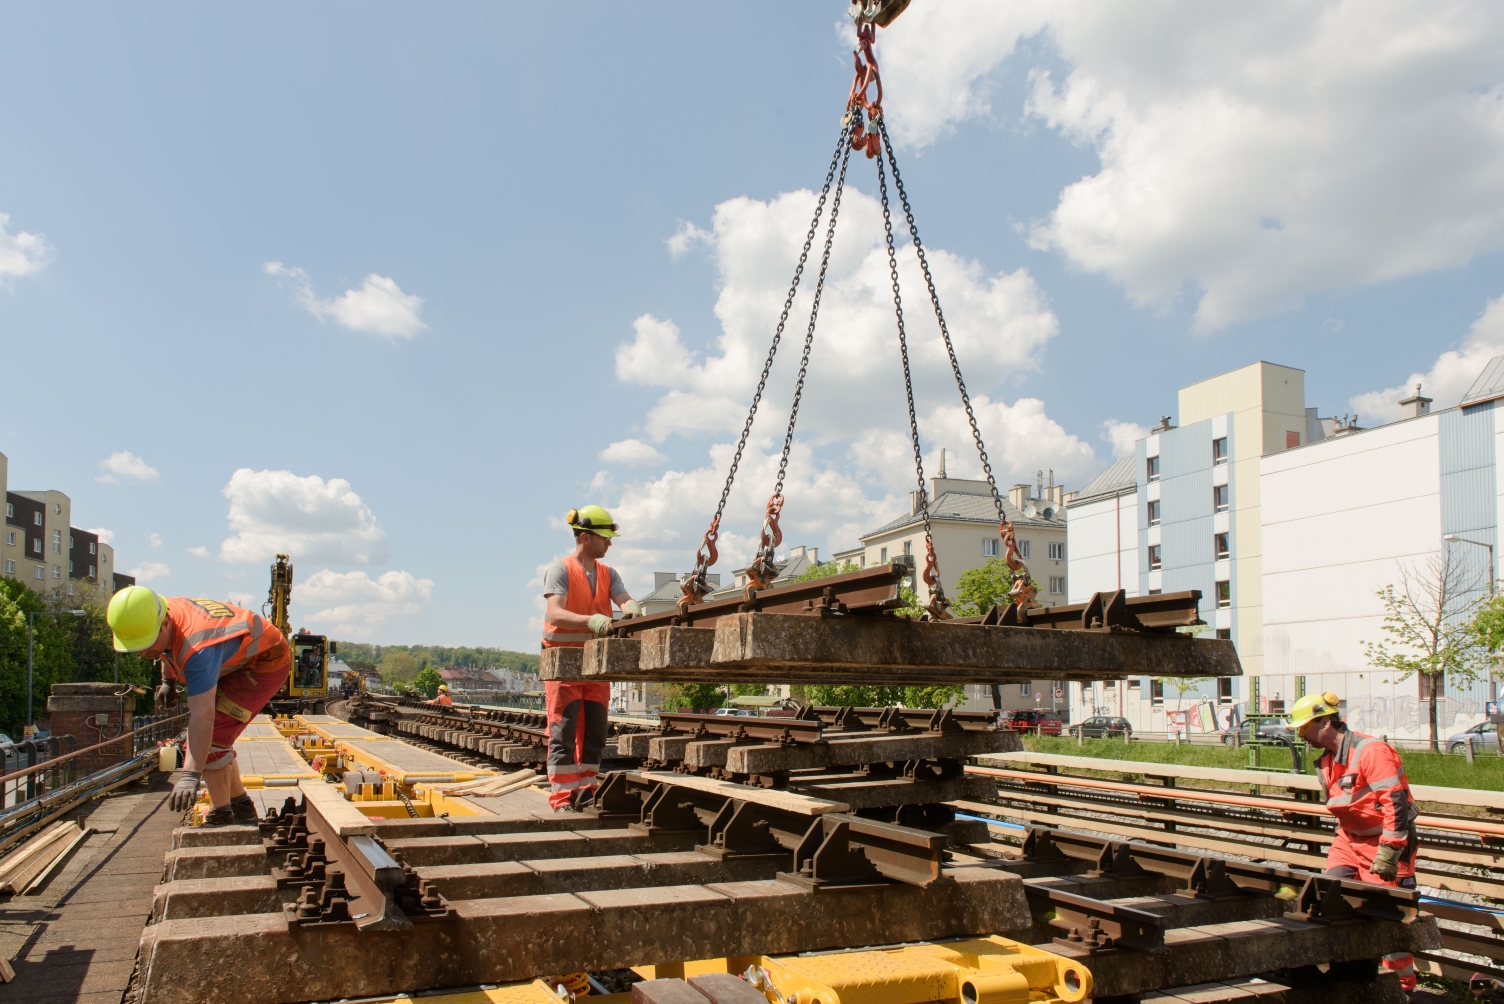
(307, 687)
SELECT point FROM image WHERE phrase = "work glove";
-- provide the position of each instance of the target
(631, 608)
(185, 792)
(1386, 863)
(600, 625)
(165, 697)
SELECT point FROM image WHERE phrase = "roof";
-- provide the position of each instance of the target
(1489, 386)
(1121, 476)
(957, 507)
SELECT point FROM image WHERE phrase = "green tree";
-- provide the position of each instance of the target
(1432, 629)
(880, 697)
(749, 690)
(978, 589)
(933, 697)
(693, 695)
(53, 654)
(427, 681)
(397, 667)
(825, 569)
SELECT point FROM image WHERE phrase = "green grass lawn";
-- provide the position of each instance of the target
(1487, 772)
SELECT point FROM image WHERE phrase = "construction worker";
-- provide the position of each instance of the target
(232, 661)
(443, 698)
(1366, 789)
(579, 592)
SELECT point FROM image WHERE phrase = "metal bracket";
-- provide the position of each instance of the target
(847, 851)
(1096, 925)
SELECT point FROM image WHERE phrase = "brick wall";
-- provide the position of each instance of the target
(92, 713)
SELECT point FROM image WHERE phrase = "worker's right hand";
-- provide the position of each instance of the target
(600, 625)
(185, 792)
(1386, 862)
(165, 696)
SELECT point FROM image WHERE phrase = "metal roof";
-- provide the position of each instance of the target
(956, 507)
(1121, 476)
(1489, 386)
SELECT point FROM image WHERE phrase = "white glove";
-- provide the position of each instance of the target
(631, 608)
(185, 792)
(600, 625)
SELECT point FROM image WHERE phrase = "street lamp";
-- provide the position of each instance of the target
(30, 648)
(1452, 538)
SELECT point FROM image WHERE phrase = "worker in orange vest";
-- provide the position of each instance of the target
(1367, 790)
(579, 592)
(232, 662)
(443, 698)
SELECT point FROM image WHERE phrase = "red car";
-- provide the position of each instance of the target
(1045, 723)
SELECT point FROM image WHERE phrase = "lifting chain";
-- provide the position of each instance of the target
(697, 585)
(1023, 585)
(858, 104)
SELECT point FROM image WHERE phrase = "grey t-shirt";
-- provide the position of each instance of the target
(556, 581)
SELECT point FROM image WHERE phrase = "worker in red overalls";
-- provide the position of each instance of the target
(1366, 789)
(232, 662)
(579, 592)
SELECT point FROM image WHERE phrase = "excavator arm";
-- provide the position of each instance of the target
(275, 607)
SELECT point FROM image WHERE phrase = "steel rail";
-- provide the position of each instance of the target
(869, 591)
(52, 763)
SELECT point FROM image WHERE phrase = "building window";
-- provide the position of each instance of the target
(93, 547)
(70, 566)
(989, 547)
(1155, 592)
(1153, 469)
(41, 572)
(1156, 691)
(57, 542)
(92, 573)
(36, 546)
(908, 547)
(1222, 545)
(1224, 594)
(1300, 687)
(1224, 690)
(1292, 440)
(1219, 498)
(882, 555)
(1224, 634)
(1057, 583)
(1057, 551)
(1023, 549)
(57, 509)
(57, 573)
(36, 518)
(1219, 451)
(1154, 512)
(1025, 688)
(10, 510)
(10, 537)
(1154, 560)
(10, 567)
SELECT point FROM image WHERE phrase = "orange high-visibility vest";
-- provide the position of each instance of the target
(197, 624)
(580, 600)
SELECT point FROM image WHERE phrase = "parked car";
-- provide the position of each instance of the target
(1272, 728)
(1483, 737)
(1103, 727)
(736, 712)
(1046, 723)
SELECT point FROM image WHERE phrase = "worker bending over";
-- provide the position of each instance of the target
(233, 661)
(1366, 789)
(579, 592)
(443, 698)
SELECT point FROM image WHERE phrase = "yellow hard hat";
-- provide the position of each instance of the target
(444, 687)
(593, 518)
(135, 616)
(1312, 706)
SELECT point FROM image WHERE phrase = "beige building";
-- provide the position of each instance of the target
(43, 549)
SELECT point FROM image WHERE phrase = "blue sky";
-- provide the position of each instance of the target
(428, 277)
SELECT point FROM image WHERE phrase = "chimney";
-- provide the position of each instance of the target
(1415, 406)
(916, 502)
(942, 464)
(1165, 425)
(1019, 495)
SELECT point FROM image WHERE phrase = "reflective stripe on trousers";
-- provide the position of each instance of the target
(1402, 963)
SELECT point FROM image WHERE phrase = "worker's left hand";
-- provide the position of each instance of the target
(631, 608)
(1386, 863)
(185, 792)
(600, 625)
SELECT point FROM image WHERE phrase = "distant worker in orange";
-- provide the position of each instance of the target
(233, 661)
(579, 592)
(443, 698)
(1367, 790)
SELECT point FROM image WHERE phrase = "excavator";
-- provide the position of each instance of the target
(307, 688)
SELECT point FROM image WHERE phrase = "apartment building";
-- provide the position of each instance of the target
(43, 549)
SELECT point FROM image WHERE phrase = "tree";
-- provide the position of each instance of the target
(694, 695)
(427, 681)
(879, 697)
(1431, 630)
(398, 667)
(825, 569)
(978, 589)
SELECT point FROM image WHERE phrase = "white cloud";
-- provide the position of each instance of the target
(149, 571)
(199, 552)
(105, 536)
(1249, 155)
(245, 601)
(353, 602)
(378, 307)
(1448, 378)
(1123, 436)
(632, 453)
(124, 464)
(21, 253)
(155, 539)
(306, 517)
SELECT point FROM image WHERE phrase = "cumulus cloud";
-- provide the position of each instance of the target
(199, 552)
(124, 464)
(306, 517)
(105, 536)
(1448, 378)
(154, 539)
(1250, 155)
(21, 253)
(150, 571)
(378, 307)
(1123, 436)
(631, 453)
(350, 602)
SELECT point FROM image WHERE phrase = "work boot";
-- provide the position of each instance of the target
(222, 816)
(584, 798)
(244, 809)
